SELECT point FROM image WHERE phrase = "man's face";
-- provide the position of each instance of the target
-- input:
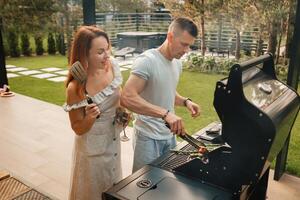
(180, 43)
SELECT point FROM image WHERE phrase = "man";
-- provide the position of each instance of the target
(151, 93)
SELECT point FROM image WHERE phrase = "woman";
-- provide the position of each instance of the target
(96, 162)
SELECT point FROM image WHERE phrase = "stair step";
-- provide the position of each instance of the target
(4, 174)
(11, 187)
(32, 194)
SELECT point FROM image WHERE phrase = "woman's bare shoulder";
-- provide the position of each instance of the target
(72, 93)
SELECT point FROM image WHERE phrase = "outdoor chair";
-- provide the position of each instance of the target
(123, 52)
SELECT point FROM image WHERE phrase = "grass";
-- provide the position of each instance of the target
(40, 89)
(198, 86)
(38, 62)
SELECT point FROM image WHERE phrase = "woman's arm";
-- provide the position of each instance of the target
(81, 119)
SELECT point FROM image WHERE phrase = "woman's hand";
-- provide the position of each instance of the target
(123, 117)
(92, 111)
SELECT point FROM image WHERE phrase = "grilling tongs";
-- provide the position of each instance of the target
(191, 140)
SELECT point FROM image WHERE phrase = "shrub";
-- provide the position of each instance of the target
(210, 64)
(39, 50)
(61, 47)
(281, 70)
(13, 44)
(25, 45)
(51, 44)
(194, 61)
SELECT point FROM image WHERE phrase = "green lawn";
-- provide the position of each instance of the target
(198, 86)
(38, 62)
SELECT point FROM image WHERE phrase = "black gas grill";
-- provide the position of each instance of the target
(257, 112)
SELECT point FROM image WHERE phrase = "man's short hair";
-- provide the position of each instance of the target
(184, 24)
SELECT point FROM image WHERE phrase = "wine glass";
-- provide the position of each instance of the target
(124, 137)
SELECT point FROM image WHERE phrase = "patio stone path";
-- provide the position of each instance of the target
(30, 72)
(56, 74)
(16, 69)
(46, 75)
(57, 79)
(10, 66)
(12, 75)
(64, 72)
(51, 69)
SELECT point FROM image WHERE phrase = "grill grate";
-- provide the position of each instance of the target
(11, 187)
(175, 160)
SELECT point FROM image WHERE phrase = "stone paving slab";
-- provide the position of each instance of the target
(123, 69)
(16, 69)
(30, 72)
(126, 63)
(10, 66)
(51, 69)
(57, 79)
(12, 75)
(64, 72)
(41, 76)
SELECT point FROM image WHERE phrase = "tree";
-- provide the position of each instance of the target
(39, 50)
(13, 42)
(198, 10)
(51, 44)
(235, 9)
(290, 27)
(121, 6)
(27, 16)
(271, 13)
(25, 45)
(33, 17)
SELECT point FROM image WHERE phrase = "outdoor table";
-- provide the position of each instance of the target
(139, 40)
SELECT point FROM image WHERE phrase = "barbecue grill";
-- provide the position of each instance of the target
(256, 112)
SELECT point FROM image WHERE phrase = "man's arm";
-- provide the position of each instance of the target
(132, 100)
(191, 106)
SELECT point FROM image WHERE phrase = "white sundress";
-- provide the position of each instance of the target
(96, 155)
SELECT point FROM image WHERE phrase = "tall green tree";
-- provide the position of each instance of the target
(25, 45)
(198, 10)
(27, 16)
(235, 10)
(121, 6)
(13, 42)
(271, 14)
(51, 44)
(22, 16)
(290, 27)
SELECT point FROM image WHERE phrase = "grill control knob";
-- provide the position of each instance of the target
(144, 183)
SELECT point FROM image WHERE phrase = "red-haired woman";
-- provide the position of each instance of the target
(96, 157)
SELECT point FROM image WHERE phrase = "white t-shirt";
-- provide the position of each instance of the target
(162, 76)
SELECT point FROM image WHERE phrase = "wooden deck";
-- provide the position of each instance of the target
(36, 147)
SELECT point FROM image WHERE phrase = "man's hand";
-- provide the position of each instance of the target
(176, 124)
(193, 108)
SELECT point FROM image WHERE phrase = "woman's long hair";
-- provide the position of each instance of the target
(80, 49)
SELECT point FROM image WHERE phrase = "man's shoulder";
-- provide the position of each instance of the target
(150, 54)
